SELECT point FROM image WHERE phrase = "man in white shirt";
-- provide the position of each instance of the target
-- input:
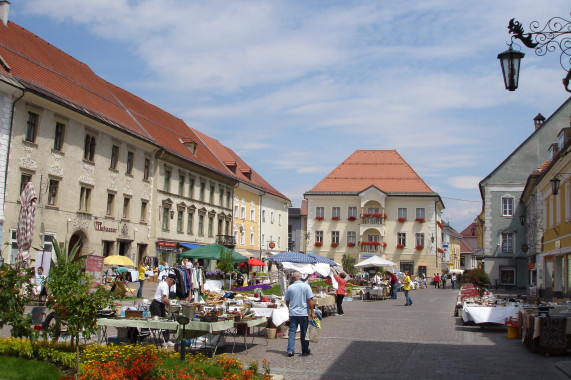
(161, 300)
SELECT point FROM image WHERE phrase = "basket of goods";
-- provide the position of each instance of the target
(210, 317)
(133, 314)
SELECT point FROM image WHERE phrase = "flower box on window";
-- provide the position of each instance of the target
(318, 244)
(440, 250)
(400, 246)
(366, 215)
(402, 220)
(385, 244)
(350, 244)
(376, 215)
(420, 220)
(319, 218)
(335, 218)
(334, 245)
(420, 247)
(351, 218)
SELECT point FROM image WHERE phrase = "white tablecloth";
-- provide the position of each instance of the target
(213, 285)
(489, 314)
(278, 316)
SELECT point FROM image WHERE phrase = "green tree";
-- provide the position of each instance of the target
(72, 295)
(16, 291)
(226, 262)
(476, 276)
(348, 263)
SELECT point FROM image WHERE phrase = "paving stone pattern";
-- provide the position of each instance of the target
(385, 339)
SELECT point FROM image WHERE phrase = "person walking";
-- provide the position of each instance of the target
(443, 279)
(141, 270)
(299, 300)
(436, 281)
(407, 289)
(453, 279)
(340, 294)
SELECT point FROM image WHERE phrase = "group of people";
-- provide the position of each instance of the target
(440, 280)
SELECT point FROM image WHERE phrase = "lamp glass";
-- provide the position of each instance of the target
(510, 61)
(555, 182)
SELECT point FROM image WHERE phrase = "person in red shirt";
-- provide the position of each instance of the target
(394, 284)
(340, 291)
(436, 280)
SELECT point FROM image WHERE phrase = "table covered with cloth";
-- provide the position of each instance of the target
(323, 301)
(489, 314)
(278, 316)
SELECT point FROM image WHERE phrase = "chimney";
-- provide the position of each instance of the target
(538, 121)
(4, 8)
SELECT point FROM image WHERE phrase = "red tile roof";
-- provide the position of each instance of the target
(384, 169)
(49, 72)
(243, 172)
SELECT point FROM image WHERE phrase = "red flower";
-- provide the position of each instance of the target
(334, 245)
(350, 244)
(366, 215)
(318, 243)
(376, 215)
(319, 218)
(335, 218)
(351, 218)
(400, 246)
(420, 247)
(420, 220)
(439, 224)
(402, 220)
(384, 244)
(440, 250)
(385, 216)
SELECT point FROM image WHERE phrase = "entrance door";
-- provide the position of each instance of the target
(125, 248)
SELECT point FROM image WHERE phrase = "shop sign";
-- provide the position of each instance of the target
(272, 245)
(166, 243)
(100, 227)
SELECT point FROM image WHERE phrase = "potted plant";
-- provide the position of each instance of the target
(334, 245)
(350, 244)
(420, 220)
(420, 247)
(400, 246)
(385, 216)
(376, 215)
(375, 243)
(351, 218)
(318, 244)
(402, 220)
(335, 218)
(384, 244)
(366, 215)
(319, 218)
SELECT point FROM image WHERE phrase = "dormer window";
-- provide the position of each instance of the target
(563, 137)
(247, 173)
(190, 144)
(553, 150)
(231, 165)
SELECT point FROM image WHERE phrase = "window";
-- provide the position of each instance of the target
(352, 212)
(319, 236)
(126, 207)
(108, 248)
(507, 242)
(110, 204)
(201, 225)
(32, 127)
(24, 179)
(242, 237)
(279, 219)
(236, 211)
(336, 213)
(85, 199)
(130, 159)
(179, 222)
(334, 237)
(263, 239)
(181, 180)
(144, 205)
(243, 212)
(252, 214)
(351, 237)
(320, 212)
(48, 240)
(220, 197)
(190, 222)
(211, 226)
(166, 212)
(507, 206)
(271, 217)
(251, 239)
(401, 238)
(507, 275)
(167, 186)
(147, 169)
(53, 192)
(58, 136)
(211, 196)
(202, 189)
(419, 240)
(228, 197)
(89, 148)
(402, 213)
(191, 187)
(421, 213)
(114, 157)
(263, 215)
(407, 266)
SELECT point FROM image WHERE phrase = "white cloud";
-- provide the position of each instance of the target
(464, 182)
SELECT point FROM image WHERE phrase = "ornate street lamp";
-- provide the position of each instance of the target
(555, 182)
(556, 34)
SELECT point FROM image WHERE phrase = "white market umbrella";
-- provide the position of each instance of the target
(28, 200)
(375, 261)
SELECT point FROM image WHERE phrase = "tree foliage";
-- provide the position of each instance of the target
(348, 263)
(226, 262)
(16, 291)
(476, 276)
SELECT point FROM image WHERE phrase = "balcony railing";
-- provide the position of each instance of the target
(372, 220)
(226, 240)
(371, 249)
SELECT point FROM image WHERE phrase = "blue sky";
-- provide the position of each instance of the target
(295, 87)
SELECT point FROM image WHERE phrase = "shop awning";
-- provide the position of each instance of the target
(189, 245)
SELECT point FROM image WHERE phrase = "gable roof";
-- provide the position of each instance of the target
(240, 169)
(384, 169)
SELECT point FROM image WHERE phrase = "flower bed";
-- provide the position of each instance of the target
(252, 287)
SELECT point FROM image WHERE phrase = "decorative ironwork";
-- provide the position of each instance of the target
(556, 34)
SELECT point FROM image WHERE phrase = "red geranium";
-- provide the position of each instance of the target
(400, 246)
(350, 244)
(402, 220)
(319, 218)
(318, 243)
(334, 245)
(420, 247)
(420, 220)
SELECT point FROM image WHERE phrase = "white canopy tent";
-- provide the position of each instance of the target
(375, 261)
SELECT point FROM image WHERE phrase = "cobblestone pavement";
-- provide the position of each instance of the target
(385, 339)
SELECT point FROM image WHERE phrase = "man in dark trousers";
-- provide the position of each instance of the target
(394, 284)
(299, 300)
